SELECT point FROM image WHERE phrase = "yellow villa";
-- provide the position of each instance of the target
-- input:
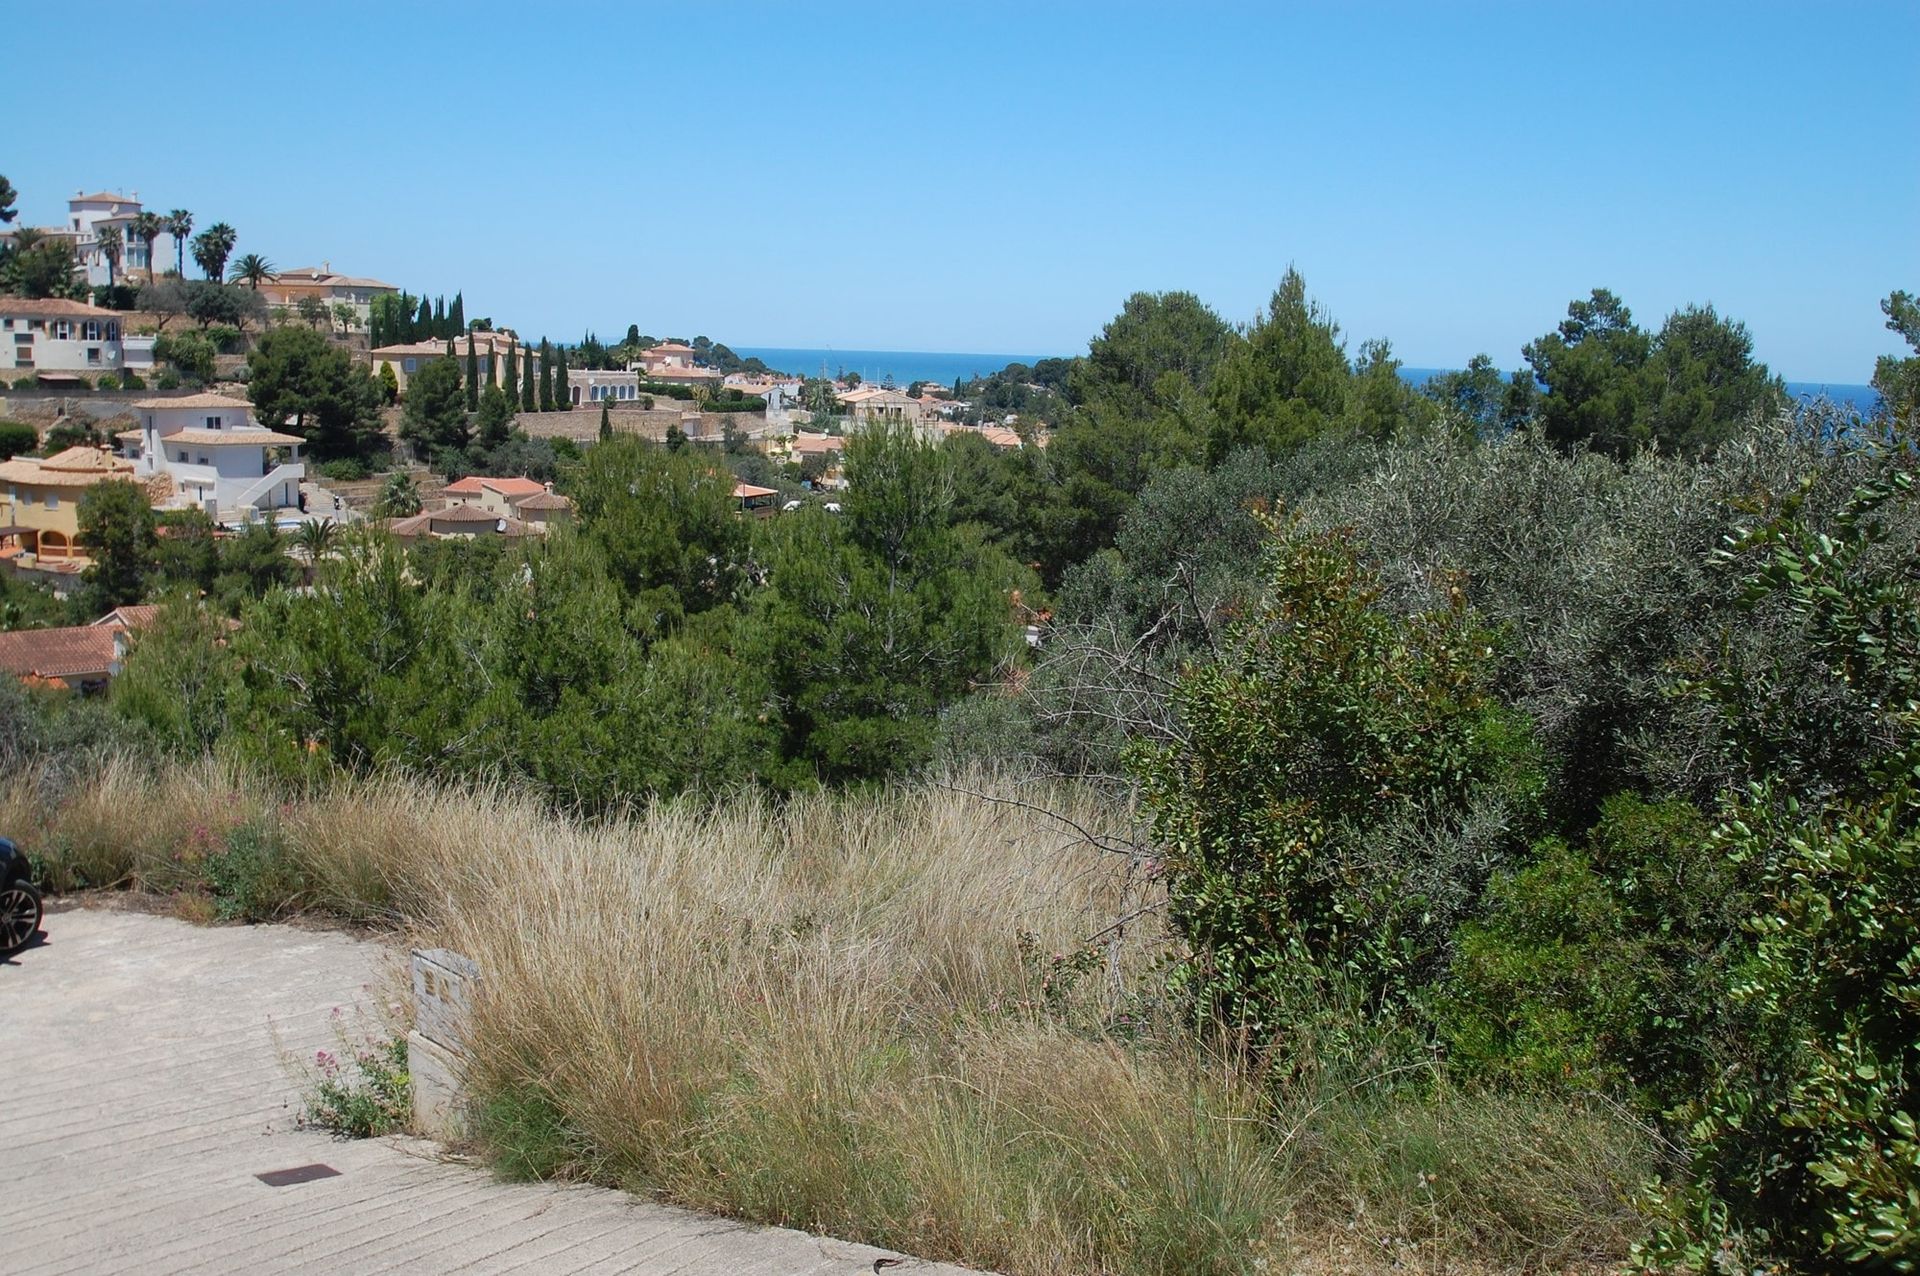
(43, 505)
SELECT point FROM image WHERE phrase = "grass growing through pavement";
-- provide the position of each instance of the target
(877, 1016)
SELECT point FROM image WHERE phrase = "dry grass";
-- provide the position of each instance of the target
(877, 1016)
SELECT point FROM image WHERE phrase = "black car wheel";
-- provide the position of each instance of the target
(19, 916)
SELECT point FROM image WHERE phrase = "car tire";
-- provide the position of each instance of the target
(20, 915)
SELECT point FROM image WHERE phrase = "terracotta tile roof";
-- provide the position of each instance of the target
(75, 467)
(817, 444)
(208, 400)
(133, 616)
(315, 275)
(231, 438)
(461, 517)
(742, 491)
(104, 197)
(59, 653)
(463, 514)
(53, 308)
(475, 484)
(544, 501)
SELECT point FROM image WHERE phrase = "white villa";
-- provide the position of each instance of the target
(218, 458)
(58, 337)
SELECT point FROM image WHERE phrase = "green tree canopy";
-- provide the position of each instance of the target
(1615, 388)
(435, 415)
(299, 380)
(117, 527)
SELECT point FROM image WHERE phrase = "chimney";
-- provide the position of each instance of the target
(326, 267)
(549, 489)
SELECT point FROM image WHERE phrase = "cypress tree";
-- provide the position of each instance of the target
(459, 315)
(423, 322)
(606, 422)
(528, 398)
(473, 372)
(439, 318)
(562, 396)
(511, 382)
(546, 376)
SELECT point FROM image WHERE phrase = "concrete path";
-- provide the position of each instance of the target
(143, 1085)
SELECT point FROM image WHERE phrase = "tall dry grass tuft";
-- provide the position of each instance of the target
(879, 1016)
(134, 825)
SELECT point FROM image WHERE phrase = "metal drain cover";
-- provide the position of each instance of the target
(298, 1174)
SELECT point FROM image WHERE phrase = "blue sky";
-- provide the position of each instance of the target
(998, 178)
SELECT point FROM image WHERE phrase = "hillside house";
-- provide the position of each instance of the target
(489, 348)
(290, 287)
(218, 458)
(42, 528)
(527, 502)
(88, 215)
(53, 337)
(464, 522)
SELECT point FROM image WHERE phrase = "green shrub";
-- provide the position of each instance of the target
(1341, 784)
(1811, 1147)
(254, 878)
(17, 437)
(347, 469)
(107, 381)
(1604, 966)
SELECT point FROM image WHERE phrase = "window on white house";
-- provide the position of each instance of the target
(90, 330)
(113, 331)
(62, 331)
(213, 423)
(53, 500)
(93, 354)
(411, 364)
(183, 458)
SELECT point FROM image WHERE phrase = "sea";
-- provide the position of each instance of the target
(875, 366)
(908, 366)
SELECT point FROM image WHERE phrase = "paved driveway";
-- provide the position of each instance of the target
(142, 1089)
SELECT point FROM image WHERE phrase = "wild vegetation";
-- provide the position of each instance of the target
(1434, 828)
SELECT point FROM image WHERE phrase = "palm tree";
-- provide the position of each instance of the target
(253, 268)
(316, 538)
(180, 225)
(112, 244)
(146, 228)
(399, 499)
(212, 247)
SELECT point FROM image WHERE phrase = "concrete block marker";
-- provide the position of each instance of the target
(445, 987)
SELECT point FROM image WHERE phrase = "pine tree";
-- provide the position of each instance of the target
(528, 398)
(546, 376)
(606, 422)
(458, 317)
(473, 373)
